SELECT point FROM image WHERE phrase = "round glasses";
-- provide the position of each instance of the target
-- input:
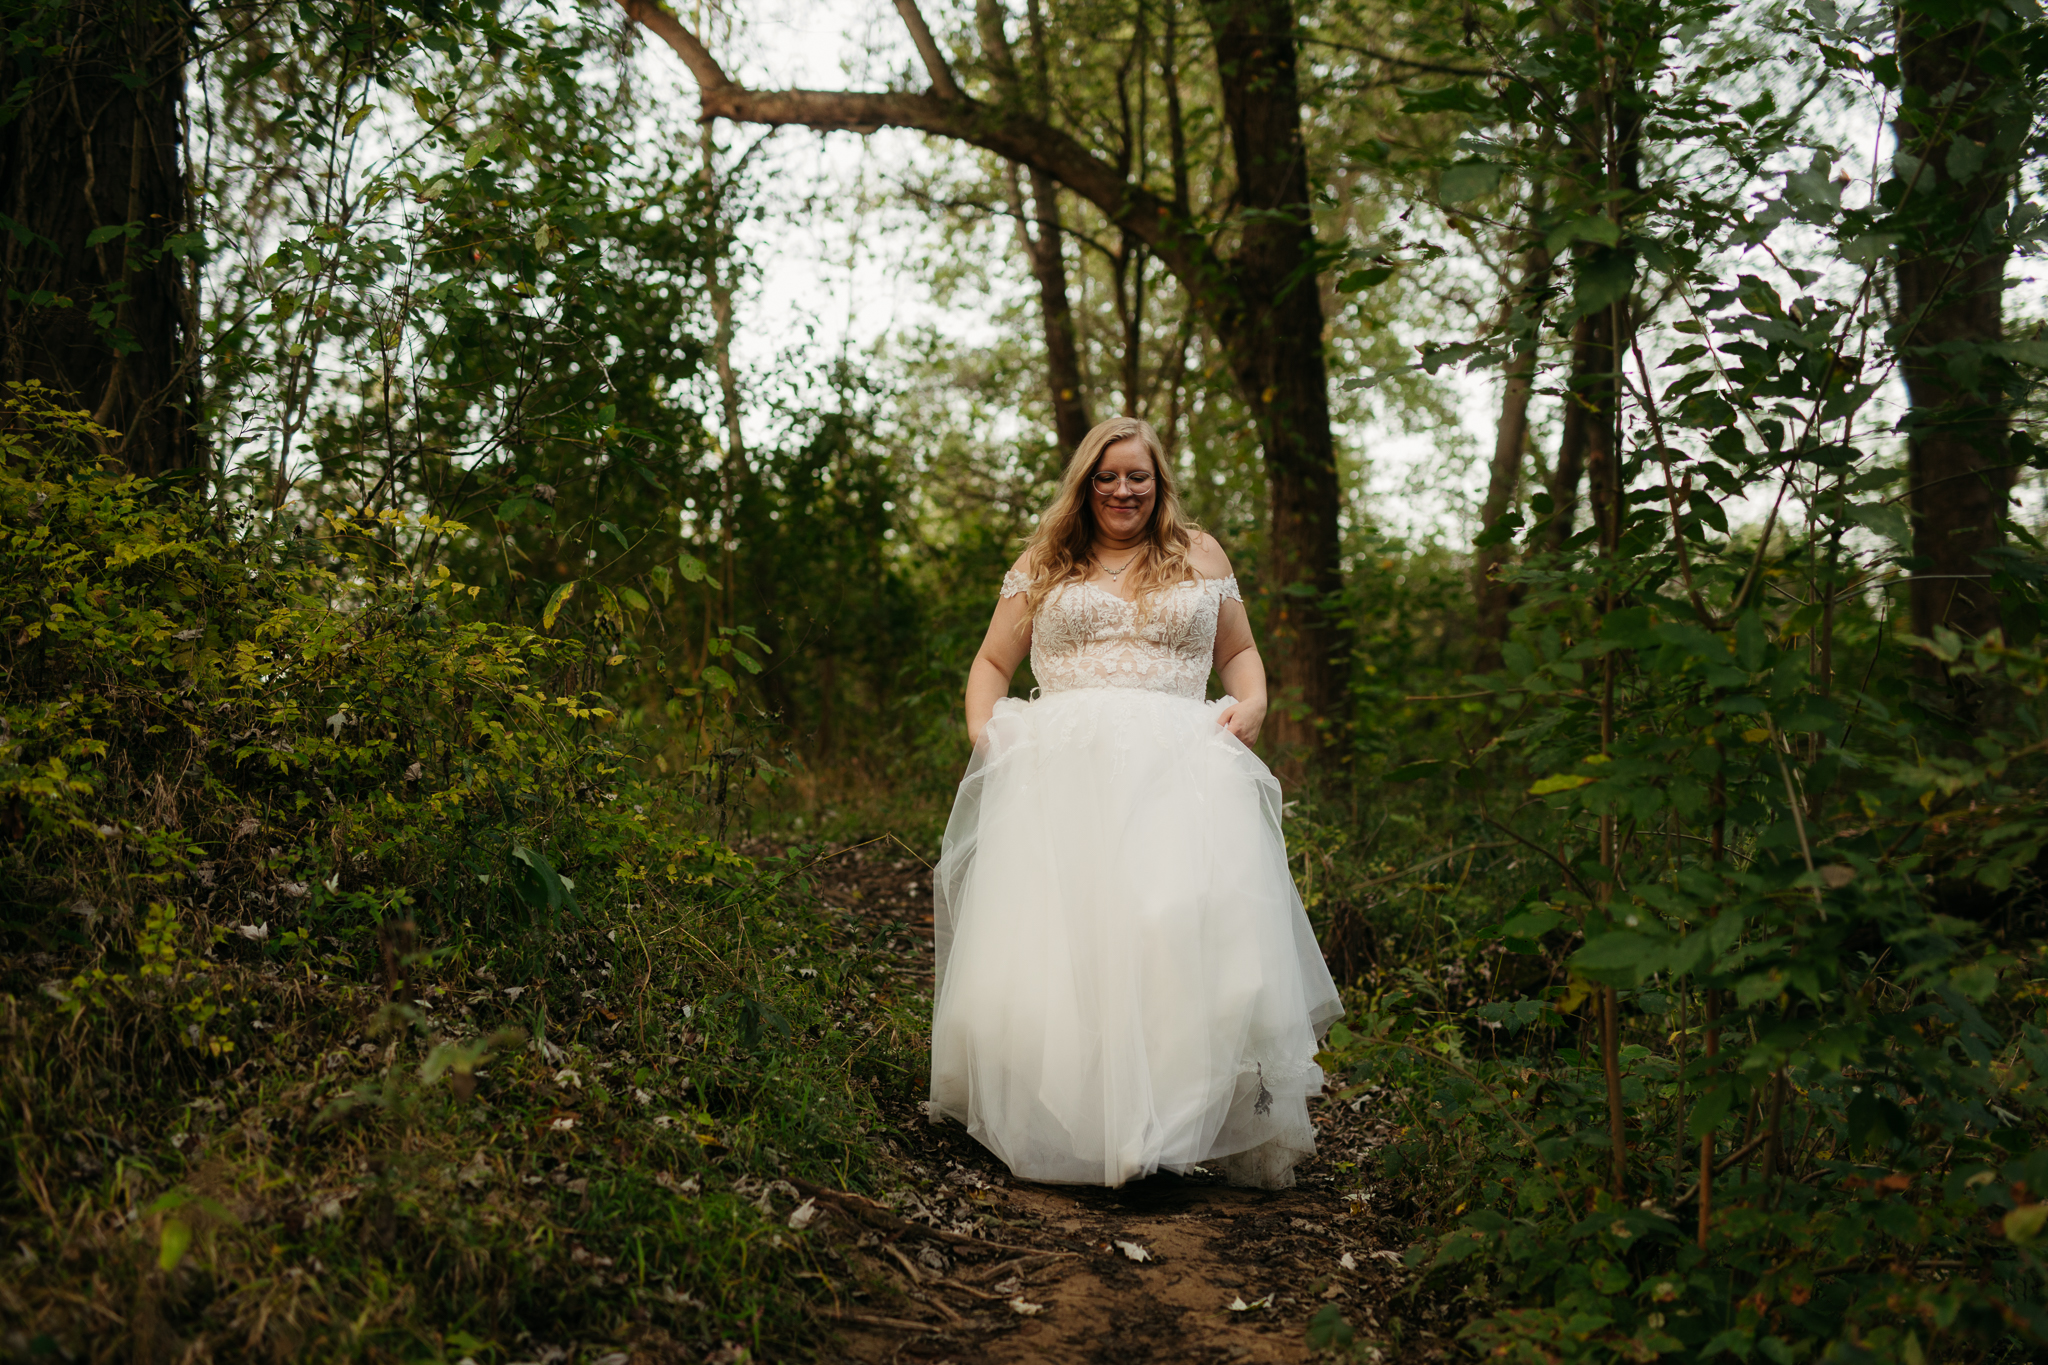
(1106, 483)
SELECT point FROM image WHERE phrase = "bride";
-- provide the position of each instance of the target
(1126, 980)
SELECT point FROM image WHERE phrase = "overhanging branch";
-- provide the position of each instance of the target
(1007, 131)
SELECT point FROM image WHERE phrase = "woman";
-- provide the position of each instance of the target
(1126, 980)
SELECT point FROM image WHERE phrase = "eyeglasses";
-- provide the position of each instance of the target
(1106, 482)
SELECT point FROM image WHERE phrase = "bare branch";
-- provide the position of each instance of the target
(935, 66)
(1008, 132)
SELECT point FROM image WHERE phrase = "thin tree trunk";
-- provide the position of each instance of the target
(1273, 343)
(1041, 238)
(1571, 444)
(96, 303)
(1950, 301)
(1492, 596)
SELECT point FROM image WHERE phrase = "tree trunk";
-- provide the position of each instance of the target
(97, 302)
(1571, 445)
(1261, 304)
(1271, 331)
(1045, 253)
(1511, 438)
(1950, 300)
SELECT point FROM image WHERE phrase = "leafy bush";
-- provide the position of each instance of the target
(362, 997)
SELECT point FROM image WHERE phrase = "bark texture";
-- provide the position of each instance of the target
(1950, 300)
(1493, 597)
(92, 187)
(1269, 321)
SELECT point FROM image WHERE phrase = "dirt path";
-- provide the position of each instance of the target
(960, 1262)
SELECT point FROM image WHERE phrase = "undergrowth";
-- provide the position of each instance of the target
(362, 998)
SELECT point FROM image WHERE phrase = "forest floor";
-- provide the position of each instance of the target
(959, 1261)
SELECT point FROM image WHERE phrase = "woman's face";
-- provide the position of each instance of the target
(1123, 489)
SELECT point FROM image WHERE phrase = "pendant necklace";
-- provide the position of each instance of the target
(1118, 572)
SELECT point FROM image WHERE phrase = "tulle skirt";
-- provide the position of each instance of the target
(1126, 979)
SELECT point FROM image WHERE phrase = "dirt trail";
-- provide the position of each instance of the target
(960, 1262)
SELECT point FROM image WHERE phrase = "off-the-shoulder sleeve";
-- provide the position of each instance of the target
(1014, 582)
(1226, 589)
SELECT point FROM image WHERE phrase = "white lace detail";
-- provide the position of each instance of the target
(1014, 583)
(1084, 635)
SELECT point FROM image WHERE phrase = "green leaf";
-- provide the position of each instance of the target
(615, 533)
(746, 661)
(538, 883)
(1711, 1111)
(562, 594)
(690, 567)
(718, 677)
(1409, 772)
(355, 120)
(99, 236)
(1467, 180)
(1601, 282)
(1532, 924)
(1563, 782)
(2025, 1223)
(172, 1244)
(632, 598)
(1327, 1330)
(1750, 641)
(1365, 279)
(664, 582)
(1624, 952)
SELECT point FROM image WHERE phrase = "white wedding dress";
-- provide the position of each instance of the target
(1126, 979)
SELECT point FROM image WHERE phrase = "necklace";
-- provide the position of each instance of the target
(1118, 572)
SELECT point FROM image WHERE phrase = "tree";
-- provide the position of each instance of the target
(1961, 125)
(98, 304)
(1260, 302)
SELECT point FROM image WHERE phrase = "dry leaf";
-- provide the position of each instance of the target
(1134, 1251)
(803, 1215)
(1347, 1261)
(1029, 1310)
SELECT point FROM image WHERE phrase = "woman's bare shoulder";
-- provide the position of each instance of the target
(1207, 557)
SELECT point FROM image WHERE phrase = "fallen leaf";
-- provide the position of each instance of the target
(803, 1215)
(1348, 1261)
(1029, 1310)
(1134, 1251)
(1238, 1305)
(1013, 1285)
(563, 1125)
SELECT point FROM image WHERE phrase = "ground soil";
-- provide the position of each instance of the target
(958, 1261)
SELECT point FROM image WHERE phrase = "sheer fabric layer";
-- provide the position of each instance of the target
(1126, 979)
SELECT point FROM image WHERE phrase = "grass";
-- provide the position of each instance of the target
(442, 1162)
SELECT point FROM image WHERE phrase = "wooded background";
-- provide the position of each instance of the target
(388, 485)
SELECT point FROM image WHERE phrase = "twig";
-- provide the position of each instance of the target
(1738, 1154)
(868, 1211)
(1431, 862)
(876, 1320)
(1562, 866)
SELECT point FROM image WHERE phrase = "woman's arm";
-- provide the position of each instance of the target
(1002, 649)
(1237, 654)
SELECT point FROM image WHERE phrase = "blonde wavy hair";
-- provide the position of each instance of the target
(1059, 550)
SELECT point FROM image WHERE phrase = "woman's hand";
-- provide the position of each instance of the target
(1243, 719)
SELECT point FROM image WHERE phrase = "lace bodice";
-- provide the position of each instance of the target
(1084, 635)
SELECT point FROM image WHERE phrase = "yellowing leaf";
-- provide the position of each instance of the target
(562, 594)
(172, 1245)
(1563, 782)
(2024, 1223)
(1755, 736)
